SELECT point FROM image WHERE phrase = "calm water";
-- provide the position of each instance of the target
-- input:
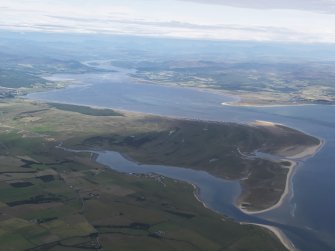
(307, 216)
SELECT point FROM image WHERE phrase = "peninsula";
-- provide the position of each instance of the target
(59, 200)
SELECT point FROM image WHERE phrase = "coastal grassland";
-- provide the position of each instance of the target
(222, 149)
(58, 201)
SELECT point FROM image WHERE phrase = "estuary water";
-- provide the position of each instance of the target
(307, 215)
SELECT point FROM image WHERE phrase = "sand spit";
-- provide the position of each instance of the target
(286, 192)
(279, 234)
(265, 105)
(303, 152)
(294, 155)
(264, 123)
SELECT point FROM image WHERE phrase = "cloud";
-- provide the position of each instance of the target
(178, 25)
(325, 6)
(219, 24)
(168, 29)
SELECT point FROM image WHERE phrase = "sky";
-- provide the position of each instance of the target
(307, 21)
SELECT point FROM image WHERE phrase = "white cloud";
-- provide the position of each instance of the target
(326, 6)
(180, 18)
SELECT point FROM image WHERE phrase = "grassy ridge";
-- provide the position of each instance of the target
(215, 147)
(85, 110)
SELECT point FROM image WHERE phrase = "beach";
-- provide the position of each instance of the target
(280, 235)
(294, 156)
(284, 195)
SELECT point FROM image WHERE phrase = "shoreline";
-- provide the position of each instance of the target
(284, 240)
(308, 152)
(238, 98)
(274, 230)
(286, 192)
(239, 104)
(295, 160)
(196, 196)
(278, 234)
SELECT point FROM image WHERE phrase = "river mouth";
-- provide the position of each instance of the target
(215, 193)
(304, 216)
